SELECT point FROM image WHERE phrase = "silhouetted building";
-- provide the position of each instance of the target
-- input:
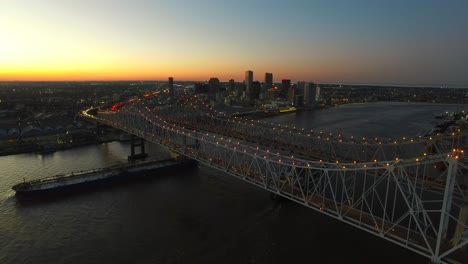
(213, 88)
(310, 94)
(240, 87)
(255, 93)
(272, 94)
(171, 86)
(317, 93)
(291, 95)
(197, 88)
(285, 85)
(232, 85)
(299, 102)
(300, 88)
(268, 80)
(201, 88)
(248, 80)
(248, 85)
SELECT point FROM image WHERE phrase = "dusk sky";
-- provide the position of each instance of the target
(376, 42)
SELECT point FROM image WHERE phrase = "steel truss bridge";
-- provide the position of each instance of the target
(410, 191)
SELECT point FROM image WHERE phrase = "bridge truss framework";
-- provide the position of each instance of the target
(418, 203)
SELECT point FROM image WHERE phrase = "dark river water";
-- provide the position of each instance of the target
(194, 216)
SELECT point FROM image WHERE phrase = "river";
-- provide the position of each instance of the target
(196, 216)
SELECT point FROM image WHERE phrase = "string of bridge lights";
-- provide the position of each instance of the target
(215, 140)
(330, 136)
(186, 122)
(456, 153)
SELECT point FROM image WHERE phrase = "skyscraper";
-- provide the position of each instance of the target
(255, 93)
(268, 80)
(292, 95)
(248, 86)
(171, 86)
(232, 85)
(285, 85)
(299, 101)
(213, 89)
(317, 93)
(214, 85)
(300, 87)
(310, 93)
(248, 81)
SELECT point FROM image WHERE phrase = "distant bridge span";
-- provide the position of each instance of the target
(411, 192)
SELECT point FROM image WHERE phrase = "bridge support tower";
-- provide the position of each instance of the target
(137, 142)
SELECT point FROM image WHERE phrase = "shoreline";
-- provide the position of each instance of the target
(34, 147)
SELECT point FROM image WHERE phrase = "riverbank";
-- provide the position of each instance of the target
(272, 113)
(48, 144)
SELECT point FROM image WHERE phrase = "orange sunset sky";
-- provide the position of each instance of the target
(421, 42)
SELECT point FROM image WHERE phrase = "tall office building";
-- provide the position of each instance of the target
(248, 81)
(292, 95)
(232, 85)
(299, 101)
(255, 93)
(317, 93)
(214, 85)
(171, 86)
(248, 86)
(300, 87)
(268, 81)
(310, 94)
(285, 85)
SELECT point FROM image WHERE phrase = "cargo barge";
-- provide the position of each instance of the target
(92, 177)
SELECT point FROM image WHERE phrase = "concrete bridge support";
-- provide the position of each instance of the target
(137, 142)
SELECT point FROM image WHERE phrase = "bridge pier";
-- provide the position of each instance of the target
(136, 142)
(101, 128)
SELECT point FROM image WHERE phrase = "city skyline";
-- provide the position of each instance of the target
(364, 42)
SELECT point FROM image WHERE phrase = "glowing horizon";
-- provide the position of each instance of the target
(342, 42)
